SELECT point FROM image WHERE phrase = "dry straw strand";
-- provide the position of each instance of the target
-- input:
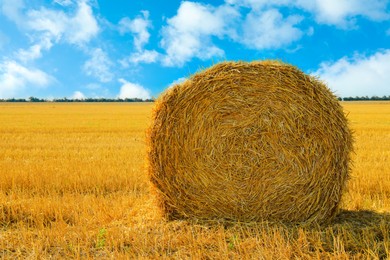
(248, 142)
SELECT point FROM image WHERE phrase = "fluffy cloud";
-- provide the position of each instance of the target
(331, 12)
(32, 53)
(258, 4)
(268, 29)
(14, 78)
(188, 34)
(177, 81)
(51, 26)
(76, 29)
(145, 56)
(46, 27)
(358, 76)
(83, 26)
(132, 90)
(99, 66)
(11, 9)
(64, 2)
(35, 51)
(78, 95)
(257, 24)
(343, 13)
(138, 27)
(52, 23)
(4, 40)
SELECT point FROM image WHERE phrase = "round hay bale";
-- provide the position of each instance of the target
(249, 142)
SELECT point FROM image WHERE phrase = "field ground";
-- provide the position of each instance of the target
(73, 185)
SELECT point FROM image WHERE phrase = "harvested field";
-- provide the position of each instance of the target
(74, 184)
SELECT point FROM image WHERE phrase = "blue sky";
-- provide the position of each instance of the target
(137, 48)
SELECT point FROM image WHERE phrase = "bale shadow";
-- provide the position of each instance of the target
(360, 219)
(360, 231)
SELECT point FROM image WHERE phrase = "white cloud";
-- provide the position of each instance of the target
(76, 29)
(258, 4)
(32, 53)
(99, 66)
(52, 25)
(358, 76)
(177, 81)
(15, 78)
(4, 40)
(47, 27)
(188, 34)
(78, 95)
(331, 11)
(145, 56)
(310, 31)
(132, 90)
(268, 29)
(35, 51)
(341, 13)
(138, 27)
(11, 9)
(63, 2)
(83, 26)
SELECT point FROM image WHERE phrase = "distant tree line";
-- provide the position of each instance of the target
(35, 99)
(365, 98)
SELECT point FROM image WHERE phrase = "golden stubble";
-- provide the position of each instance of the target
(74, 184)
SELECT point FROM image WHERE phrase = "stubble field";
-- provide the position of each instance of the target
(73, 184)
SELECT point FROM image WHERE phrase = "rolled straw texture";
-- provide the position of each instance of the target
(249, 142)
